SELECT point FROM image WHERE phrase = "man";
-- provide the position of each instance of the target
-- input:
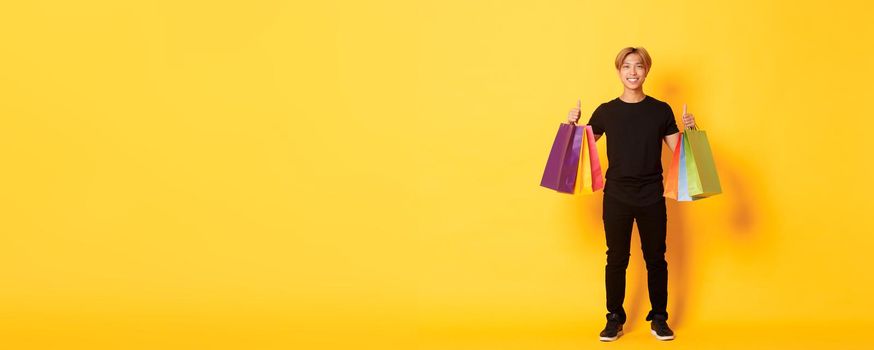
(636, 125)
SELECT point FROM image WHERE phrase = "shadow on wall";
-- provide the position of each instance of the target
(740, 218)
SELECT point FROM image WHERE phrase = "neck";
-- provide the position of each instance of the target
(632, 96)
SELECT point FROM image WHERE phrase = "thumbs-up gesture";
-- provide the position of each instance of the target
(688, 118)
(574, 114)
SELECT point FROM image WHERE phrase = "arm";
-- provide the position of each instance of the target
(671, 140)
(574, 116)
(688, 121)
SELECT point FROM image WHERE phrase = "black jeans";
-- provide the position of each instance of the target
(652, 226)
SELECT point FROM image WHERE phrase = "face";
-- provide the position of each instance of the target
(632, 72)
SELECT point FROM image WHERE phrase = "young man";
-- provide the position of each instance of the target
(636, 124)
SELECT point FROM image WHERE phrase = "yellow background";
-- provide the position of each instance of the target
(266, 174)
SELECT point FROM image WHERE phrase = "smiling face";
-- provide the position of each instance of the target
(632, 71)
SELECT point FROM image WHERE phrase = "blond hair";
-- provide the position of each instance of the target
(647, 61)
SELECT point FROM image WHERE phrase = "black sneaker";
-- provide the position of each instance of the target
(660, 329)
(613, 330)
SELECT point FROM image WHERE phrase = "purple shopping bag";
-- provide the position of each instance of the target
(560, 173)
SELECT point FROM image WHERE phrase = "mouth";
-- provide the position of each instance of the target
(632, 79)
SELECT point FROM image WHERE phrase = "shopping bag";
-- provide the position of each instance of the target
(682, 173)
(595, 161)
(561, 167)
(584, 175)
(671, 175)
(695, 174)
(589, 177)
(702, 176)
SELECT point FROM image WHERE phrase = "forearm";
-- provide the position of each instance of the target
(672, 140)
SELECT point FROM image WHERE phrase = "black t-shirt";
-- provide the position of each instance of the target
(634, 146)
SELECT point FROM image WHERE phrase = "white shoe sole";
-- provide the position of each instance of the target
(669, 337)
(613, 338)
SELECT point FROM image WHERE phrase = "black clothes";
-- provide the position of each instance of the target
(634, 147)
(634, 192)
(652, 226)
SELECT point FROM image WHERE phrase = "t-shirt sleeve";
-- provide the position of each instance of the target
(597, 120)
(670, 122)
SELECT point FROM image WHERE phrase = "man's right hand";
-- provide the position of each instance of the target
(574, 114)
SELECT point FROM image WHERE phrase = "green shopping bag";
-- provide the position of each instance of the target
(703, 180)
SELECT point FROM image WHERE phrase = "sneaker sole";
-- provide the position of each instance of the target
(613, 338)
(659, 337)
